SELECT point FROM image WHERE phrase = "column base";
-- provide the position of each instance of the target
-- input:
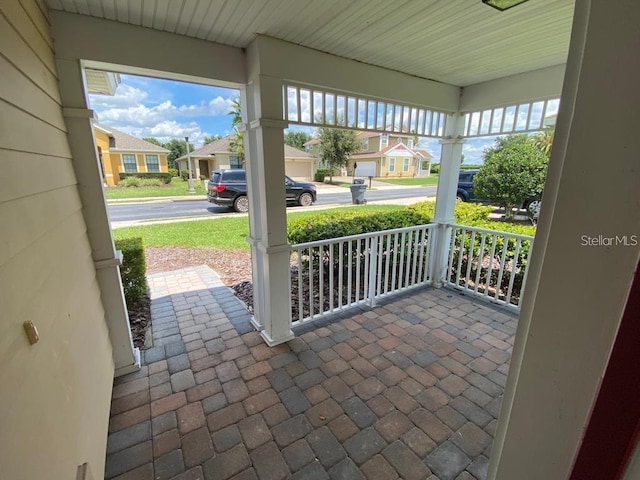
(272, 342)
(134, 367)
(257, 325)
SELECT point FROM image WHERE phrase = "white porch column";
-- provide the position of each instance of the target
(270, 250)
(585, 253)
(94, 208)
(450, 160)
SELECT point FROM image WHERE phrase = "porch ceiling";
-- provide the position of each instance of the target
(459, 42)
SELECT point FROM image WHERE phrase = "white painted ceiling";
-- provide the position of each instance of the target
(460, 42)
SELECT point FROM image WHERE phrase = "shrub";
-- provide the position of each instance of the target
(327, 225)
(435, 168)
(140, 182)
(133, 269)
(320, 174)
(174, 172)
(464, 213)
(162, 176)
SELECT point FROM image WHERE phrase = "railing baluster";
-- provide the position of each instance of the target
(512, 277)
(526, 273)
(394, 271)
(300, 288)
(501, 271)
(470, 258)
(321, 280)
(371, 276)
(349, 273)
(331, 279)
(480, 261)
(402, 260)
(358, 254)
(463, 234)
(387, 242)
(490, 269)
(380, 246)
(340, 273)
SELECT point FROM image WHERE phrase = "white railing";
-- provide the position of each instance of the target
(489, 264)
(339, 273)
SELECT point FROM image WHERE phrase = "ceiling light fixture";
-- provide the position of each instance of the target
(503, 5)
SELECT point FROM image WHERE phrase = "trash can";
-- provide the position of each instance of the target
(357, 193)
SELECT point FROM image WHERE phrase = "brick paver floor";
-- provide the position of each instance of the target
(410, 389)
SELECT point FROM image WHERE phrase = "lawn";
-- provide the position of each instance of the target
(177, 187)
(413, 181)
(222, 232)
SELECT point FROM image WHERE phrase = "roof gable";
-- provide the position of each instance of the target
(122, 141)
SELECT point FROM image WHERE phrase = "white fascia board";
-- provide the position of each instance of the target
(106, 45)
(541, 84)
(151, 152)
(276, 58)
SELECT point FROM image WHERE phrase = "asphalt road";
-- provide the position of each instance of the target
(159, 210)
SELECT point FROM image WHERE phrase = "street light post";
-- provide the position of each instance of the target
(190, 181)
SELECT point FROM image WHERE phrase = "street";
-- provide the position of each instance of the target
(130, 213)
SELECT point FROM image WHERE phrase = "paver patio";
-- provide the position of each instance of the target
(409, 389)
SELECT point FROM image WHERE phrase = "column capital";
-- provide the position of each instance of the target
(268, 123)
(450, 140)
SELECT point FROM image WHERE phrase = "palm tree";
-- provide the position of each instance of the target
(544, 140)
(237, 144)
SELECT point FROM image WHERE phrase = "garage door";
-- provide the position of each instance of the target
(366, 169)
(298, 170)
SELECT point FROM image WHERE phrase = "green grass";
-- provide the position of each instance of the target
(420, 181)
(177, 187)
(226, 232)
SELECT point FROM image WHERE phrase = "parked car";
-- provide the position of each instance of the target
(229, 188)
(465, 193)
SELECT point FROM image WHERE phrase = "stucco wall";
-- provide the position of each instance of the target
(54, 399)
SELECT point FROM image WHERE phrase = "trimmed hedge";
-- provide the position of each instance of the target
(165, 177)
(464, 213)
(327, 225)
(173, 172)
(133, 269)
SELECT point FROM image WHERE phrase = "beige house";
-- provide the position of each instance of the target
(59, 270)
(383, 155)
(123, 153)
(219, 154)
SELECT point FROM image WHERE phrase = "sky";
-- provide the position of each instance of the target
(165, 109)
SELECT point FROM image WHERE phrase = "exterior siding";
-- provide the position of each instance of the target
(55, 394)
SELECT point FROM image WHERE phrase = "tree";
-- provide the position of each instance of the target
(153, 140)
(514, 171)
(337, 146)
(237, 143)
(544, 140)
(178, 148)
(296, 139)
(211, 138)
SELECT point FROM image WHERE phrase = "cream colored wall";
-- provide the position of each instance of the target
(55, 395)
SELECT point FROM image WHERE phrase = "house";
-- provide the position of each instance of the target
(561, 415)
(219, 154)
(123, 153)
(383, 155)
(389, 155)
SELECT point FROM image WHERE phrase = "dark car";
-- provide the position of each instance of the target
(465, 193)
(229, 188)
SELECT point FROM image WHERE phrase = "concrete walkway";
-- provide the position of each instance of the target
(410, 389)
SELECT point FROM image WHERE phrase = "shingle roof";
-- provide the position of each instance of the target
(123, 141)
(224, 146)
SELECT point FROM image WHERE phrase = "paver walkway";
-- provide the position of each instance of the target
(410, 389)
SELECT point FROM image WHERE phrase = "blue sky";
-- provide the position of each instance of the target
(165, 109)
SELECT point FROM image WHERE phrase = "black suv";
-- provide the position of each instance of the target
(229, 188)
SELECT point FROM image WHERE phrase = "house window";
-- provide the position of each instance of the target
(384, 140)
(365, 145)
(235, 162)
(410, 143)
(129, 163)
(153, 163)
(405, 166)
(392, 164)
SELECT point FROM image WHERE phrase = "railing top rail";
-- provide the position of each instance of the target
(492, 232)
(361, 236)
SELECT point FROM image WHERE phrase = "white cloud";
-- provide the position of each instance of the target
(125, 96)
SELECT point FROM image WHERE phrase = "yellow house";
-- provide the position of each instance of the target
(123, 153)
(383, 155)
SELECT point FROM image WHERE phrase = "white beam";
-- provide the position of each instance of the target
(535, 85)
(110, 45)
(312, 67)
(581, 269)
